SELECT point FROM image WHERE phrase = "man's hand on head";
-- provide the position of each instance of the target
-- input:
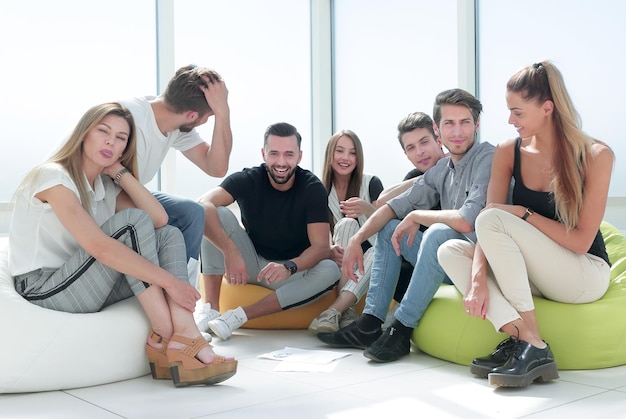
(216, 95)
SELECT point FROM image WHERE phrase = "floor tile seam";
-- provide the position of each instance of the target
(285, 375)
(582, 383)
(264, 402)
(89, 402)
(559, 406)
(305, 380)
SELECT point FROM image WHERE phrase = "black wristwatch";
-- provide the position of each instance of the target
(527, 214)
(291, 265)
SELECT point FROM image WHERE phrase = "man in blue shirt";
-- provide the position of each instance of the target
(459, 182)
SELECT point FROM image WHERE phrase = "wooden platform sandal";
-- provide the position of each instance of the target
(187, 370)
(159, 365)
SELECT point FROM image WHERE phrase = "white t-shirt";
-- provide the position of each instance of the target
(37, 239)
(152, 145)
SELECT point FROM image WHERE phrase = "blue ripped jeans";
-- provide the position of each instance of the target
(427, 276)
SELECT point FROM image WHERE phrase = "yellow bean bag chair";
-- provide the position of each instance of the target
(582, 336)
(233, 296)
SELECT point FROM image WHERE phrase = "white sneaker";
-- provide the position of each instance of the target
(348, 316)
(326, 322)
(313, 326)
(207, 337)
(204, 315)
(224, 325)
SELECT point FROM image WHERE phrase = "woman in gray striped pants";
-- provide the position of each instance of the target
(85, 233)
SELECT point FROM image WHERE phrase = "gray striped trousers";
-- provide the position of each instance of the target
(84, 285)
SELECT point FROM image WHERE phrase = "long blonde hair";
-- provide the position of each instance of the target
(69, 156)
(540, 82)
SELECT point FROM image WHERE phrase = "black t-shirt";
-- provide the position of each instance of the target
(413, 174)
(276, 221)
(375, 188)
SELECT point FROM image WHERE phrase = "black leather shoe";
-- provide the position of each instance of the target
(526, 364)
(350, 337)
(483, 366)
(391, 346)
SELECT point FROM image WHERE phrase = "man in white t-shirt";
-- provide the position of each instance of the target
(167, 121)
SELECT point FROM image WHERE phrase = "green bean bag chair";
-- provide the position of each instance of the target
(582, 336)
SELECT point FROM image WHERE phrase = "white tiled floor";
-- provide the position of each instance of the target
(416, 386)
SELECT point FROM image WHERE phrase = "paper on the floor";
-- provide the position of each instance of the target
(304, 360)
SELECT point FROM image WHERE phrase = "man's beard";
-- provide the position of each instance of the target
(282, 180)
(186, 127)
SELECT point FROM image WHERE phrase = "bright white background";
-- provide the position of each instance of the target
(388, 62)
(60, 57)
(262, 49)
(583, 38)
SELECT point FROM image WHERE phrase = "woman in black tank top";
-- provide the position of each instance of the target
(546, 241)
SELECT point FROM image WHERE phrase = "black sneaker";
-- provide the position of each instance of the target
(483, 366)
(391, 346)
(350, 337)
(526, 364)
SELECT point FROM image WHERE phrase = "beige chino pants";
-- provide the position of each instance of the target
(523, 262)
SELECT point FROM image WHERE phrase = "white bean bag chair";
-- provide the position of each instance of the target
(45, 350)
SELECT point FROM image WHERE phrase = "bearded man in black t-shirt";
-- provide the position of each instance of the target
(283, 244)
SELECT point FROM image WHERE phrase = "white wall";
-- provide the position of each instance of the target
(59, 58)
(584, 40)
(388, 62)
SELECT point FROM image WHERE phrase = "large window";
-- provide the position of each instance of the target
(59, 58)
(582, 38)
(262, 49)
(391, 58)
(388, 59)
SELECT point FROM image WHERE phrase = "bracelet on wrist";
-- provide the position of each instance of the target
(118, 176)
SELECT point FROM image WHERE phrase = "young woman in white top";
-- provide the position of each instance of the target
(352, 198)
(85, 233)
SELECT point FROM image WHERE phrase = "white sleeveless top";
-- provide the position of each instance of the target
(364, 194)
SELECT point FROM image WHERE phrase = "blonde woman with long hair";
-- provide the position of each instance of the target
(85, 233)
(547, 242)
